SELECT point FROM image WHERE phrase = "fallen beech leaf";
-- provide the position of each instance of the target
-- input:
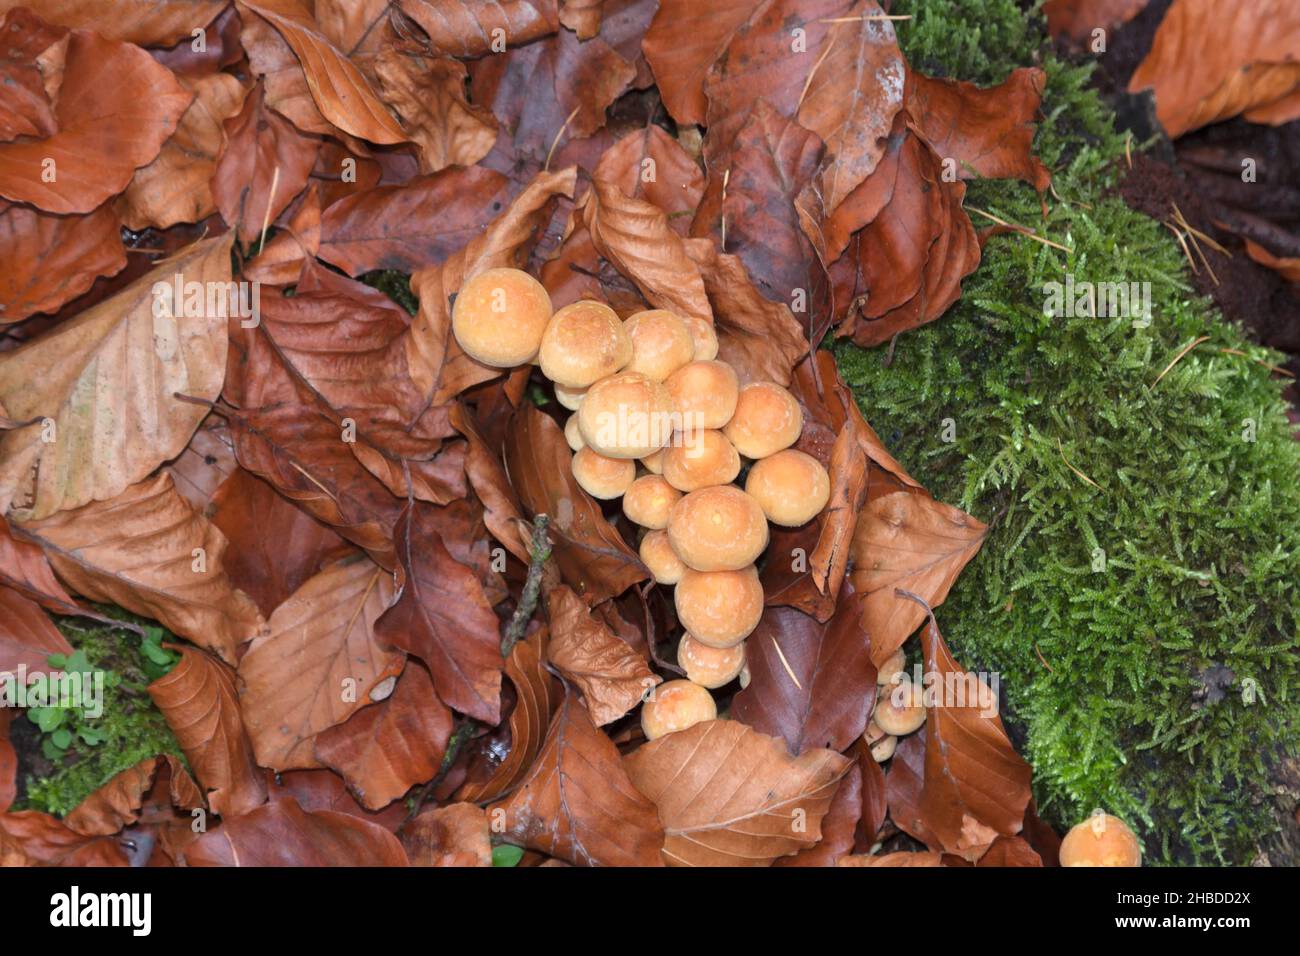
(25, 569)
(116, 356)
(812, 684)
(198, 699)
(52, 259)
(987, 132)
(911, 542)
(612, 676)
(436, 362)
(26, 109)
(466, 29)
(207, 461)
(1209, 62)
(1287, 267)
(582, 16)
(442, 616)
(142, 22)
(649, 164)
(340, 90)
(281, 833)
(455, 835)
(537, 695)
(759, 338)
(905, 788)
(592, 555)
(27, 635)
(283, 258)
(274, 547)
(1010, 851)
(176, 186)
(429, 96)
(31, 838)
(325, 790)
(577, 803)
(838, 826)
(263, 163)
(319, 664)
(280, 72)
(117, 804)
(412, 226)
(682, 44)
(1077, 19)
(903, 858)
(976, 787)
(875, 800)
(384, 750)
(116, 107)
(731, 796)
(149, 552)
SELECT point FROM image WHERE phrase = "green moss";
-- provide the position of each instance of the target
(130, 728)
(1111, 611)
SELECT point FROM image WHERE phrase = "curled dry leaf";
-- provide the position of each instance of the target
(907, 541)
(143, 22)
(27, 635)
(429, 95)
(1210, 62)
(468, 29)
(149, 552)
(263, 163)
(812, 684)
(582, 16)
(613, 677)
(384, 750)
(684, 40)
(25, 569)
(51, 259)
(839, 826)
(117, 363)
(26, 109)
(537, 695)
(282, 833)
(442, 616)
(116, 107)
(118, 802)
(454, 835)
(731, 796)
(31, 838)
(577, 803)
(649, 164)
(199, 701)
(987, 132)
(319, 664)
(592, 556)
(340, 90)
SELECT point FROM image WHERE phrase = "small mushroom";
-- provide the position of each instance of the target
(900, 709)
(601, 476)
(676, 705)
(702, 459)
(717, 529)
(658, 555)
(649, 500)
(500, 316)
(710, 666)
(661, 343)
(583, 343)
(1101, 840)
(719, 608)
(791, 487)
(767, 419)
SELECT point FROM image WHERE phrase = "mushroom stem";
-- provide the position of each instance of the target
(539, 552)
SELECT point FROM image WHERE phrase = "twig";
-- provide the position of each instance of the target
(539, 552)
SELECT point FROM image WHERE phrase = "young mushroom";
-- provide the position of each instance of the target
(705, 393)
(703, 337)
(661, 343)
(626, 416)
(717, 529)
(719, 608)
(602, 477)
(896, 664)
(767, 419)
(500, 316)
(573, 435)
(699, 459)
(676, 705)
(881, 744)
(584, 343)
(649, 500)
(707, 666)
(658, 555)
(569, 398)
(1101, 840)
(791, 487)
(899, 708)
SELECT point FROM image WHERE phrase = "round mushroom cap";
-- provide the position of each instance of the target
(602, 477)
(584, 343)
(699, 459)
(707, 666)
(900, 707)
(791, 487)
(704, 337)
(626, 416)
(572, 434)
(719, 608)
(676, 705)
(500, 316)
(654, 462)
(767, 419)
(717, 529)
(569, 398)
(704, 393)
(658, 555)
(1101, 840)
(896, 664)
(648, 501)
(884, 748)
(661, 343)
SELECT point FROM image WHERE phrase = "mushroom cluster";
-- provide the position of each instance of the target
(900, 708)
(660, 422)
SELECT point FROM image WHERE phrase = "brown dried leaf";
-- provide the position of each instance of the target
(682, 44)
(31, 838)
(27, 635)
(731, 796)
(455, 835)
(613, 677)
(118, 803)
(466, 29)
(319, 664)
(577, 802)
(903, 858)
(149, 552)
(25, 569)
(143, 22)
(429, 95)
